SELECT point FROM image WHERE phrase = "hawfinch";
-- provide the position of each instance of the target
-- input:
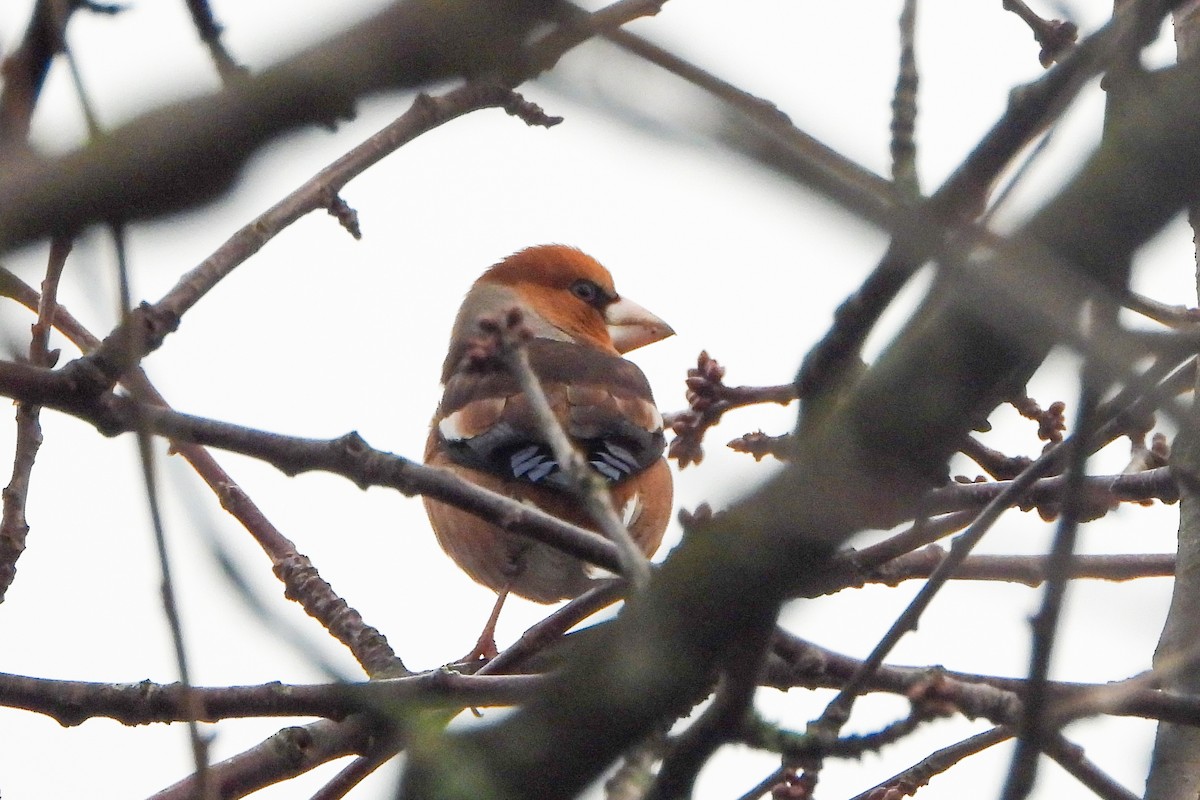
(486, 432)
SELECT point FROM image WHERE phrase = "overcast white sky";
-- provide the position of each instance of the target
(320, 334)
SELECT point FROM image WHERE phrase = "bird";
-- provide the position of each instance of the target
(485, 431)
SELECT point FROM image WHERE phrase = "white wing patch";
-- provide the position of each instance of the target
(450, 429)
(632, 510)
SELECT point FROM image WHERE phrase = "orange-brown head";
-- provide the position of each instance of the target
(574, 294)
(565, 295)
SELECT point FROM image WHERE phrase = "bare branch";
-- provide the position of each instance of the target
(904, 107)
(210, 33)
(708, 399)
(1102, 492)
(1055, 36)
(290, 752)
(910, 780)
(14, 527)
(73, 702)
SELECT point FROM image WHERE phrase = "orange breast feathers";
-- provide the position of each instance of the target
(486, 432)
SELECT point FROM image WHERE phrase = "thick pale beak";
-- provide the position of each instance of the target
(632, 326)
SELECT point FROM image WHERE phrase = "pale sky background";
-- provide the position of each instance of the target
(320, 334)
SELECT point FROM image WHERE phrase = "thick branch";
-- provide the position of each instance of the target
(73, 702)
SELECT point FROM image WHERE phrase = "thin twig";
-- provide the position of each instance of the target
(767, 784)
(551, 628)
(1071, 758)
(769, 129)
(1175, 316)
(904, 107)
(799, 663)
(1017, 176)
(1100, 490)
(86, 106)
(210, 33)
(151, 323)
(1055, 36)
(1027, 570)
(919, 774)
(14, 526)
(925, 530)
(1033, 730)
(353, 774)
(205, 789)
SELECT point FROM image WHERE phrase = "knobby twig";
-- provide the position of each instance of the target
(798, 663)
(708, 399)
(904, 107)
(1055, 36)
(14, 527)
(760, 445)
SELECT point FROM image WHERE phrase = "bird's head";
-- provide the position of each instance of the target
(570, 295)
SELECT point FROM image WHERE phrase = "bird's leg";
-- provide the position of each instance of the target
(485, 647)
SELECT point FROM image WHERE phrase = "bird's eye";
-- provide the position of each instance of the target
(586, 291)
